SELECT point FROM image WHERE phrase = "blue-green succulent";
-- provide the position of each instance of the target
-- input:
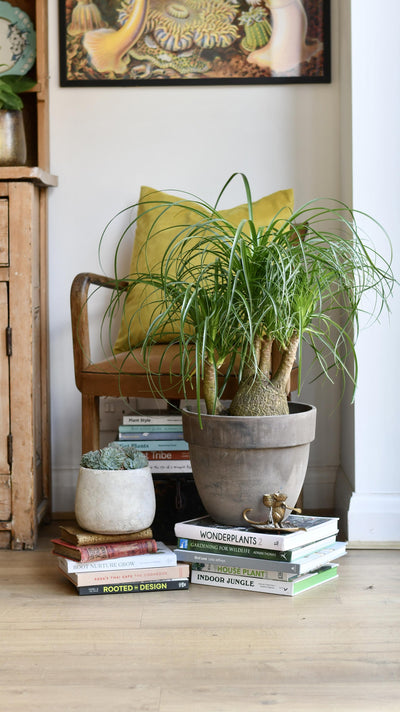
(114, 457)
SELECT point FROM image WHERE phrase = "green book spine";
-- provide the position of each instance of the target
(144, 445)
(150, 428)
(311, 581)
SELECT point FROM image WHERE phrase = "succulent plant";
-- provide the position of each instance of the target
(114, 457)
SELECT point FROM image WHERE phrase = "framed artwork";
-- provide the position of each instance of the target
(164, 42)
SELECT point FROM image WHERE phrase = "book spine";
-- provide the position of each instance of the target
(248, 565)
(129, 575)
(94, 552)
(246, 562)
(119, 564)
(134, 587)
(83, 539)
(167, 455)
(145, 420)
(239, 582)
(145, 445)
(283, 588)
(171, 467)
(143, 436)
(229, 535)
(240, 571)
(214, 548)
(161, 428)
(254, 538)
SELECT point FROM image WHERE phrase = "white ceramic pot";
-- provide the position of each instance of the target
(115, 501)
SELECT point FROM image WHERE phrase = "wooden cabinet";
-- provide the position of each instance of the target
(24, 401)
(36, 110)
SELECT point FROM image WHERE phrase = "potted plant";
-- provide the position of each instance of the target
(12, 131)
(225, 291)
(115, 491)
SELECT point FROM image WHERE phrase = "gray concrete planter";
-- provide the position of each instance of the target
(115, 501)
(236, 460)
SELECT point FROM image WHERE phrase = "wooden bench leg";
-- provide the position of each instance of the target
(90, 423)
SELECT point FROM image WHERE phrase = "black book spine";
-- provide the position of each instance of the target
(134, 587)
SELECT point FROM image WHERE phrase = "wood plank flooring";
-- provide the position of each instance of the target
(334, 648)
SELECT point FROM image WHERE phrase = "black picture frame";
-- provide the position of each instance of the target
(96, 57)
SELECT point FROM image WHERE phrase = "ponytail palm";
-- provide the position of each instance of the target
(231, 291)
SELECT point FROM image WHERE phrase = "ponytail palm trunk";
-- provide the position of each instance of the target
(260, 392)
(235, 290)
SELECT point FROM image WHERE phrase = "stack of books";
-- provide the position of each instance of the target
(123, 563)
(160, 437)
(269, 561)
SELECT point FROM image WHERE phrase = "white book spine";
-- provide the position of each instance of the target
(163, 557)
(202, 529)
(159, 573)
(170, 466)
(269, 575)
(152, 420)
(283, 588)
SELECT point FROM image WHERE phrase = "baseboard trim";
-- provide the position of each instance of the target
(375, 545)
(374, 518)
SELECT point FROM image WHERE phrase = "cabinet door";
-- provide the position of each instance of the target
(3, 232)
(5, 485)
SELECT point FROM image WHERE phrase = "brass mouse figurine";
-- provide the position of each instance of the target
(276, 503)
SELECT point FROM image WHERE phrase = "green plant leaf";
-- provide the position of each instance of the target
(10, 88)
(230, 287)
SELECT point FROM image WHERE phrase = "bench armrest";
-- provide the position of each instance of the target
(79, 315)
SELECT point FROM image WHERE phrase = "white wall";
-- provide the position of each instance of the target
(106, 142)
(374, 513)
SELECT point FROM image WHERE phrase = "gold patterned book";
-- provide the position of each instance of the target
(74, 534)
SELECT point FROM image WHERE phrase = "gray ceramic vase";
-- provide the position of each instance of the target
(236, 460)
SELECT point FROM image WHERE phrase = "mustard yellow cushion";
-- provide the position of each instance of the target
(137, 314)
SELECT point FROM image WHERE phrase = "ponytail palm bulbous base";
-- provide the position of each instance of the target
(257, 395)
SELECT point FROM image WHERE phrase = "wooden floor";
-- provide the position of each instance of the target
(336, 647)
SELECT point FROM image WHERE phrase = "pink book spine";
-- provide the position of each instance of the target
(95, 552)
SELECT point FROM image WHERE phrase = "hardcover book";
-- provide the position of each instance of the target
(135, 587)
(234, 571)
(159, 573)
(72, 533)
(284, 588)
(308, 529)
(151, 428)
(166, 455)
(158, 467)
(94, 552)
(253, 552)
(163, 557)
(144, 436)
(152, 417)
(247, 566)
(152, 445)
